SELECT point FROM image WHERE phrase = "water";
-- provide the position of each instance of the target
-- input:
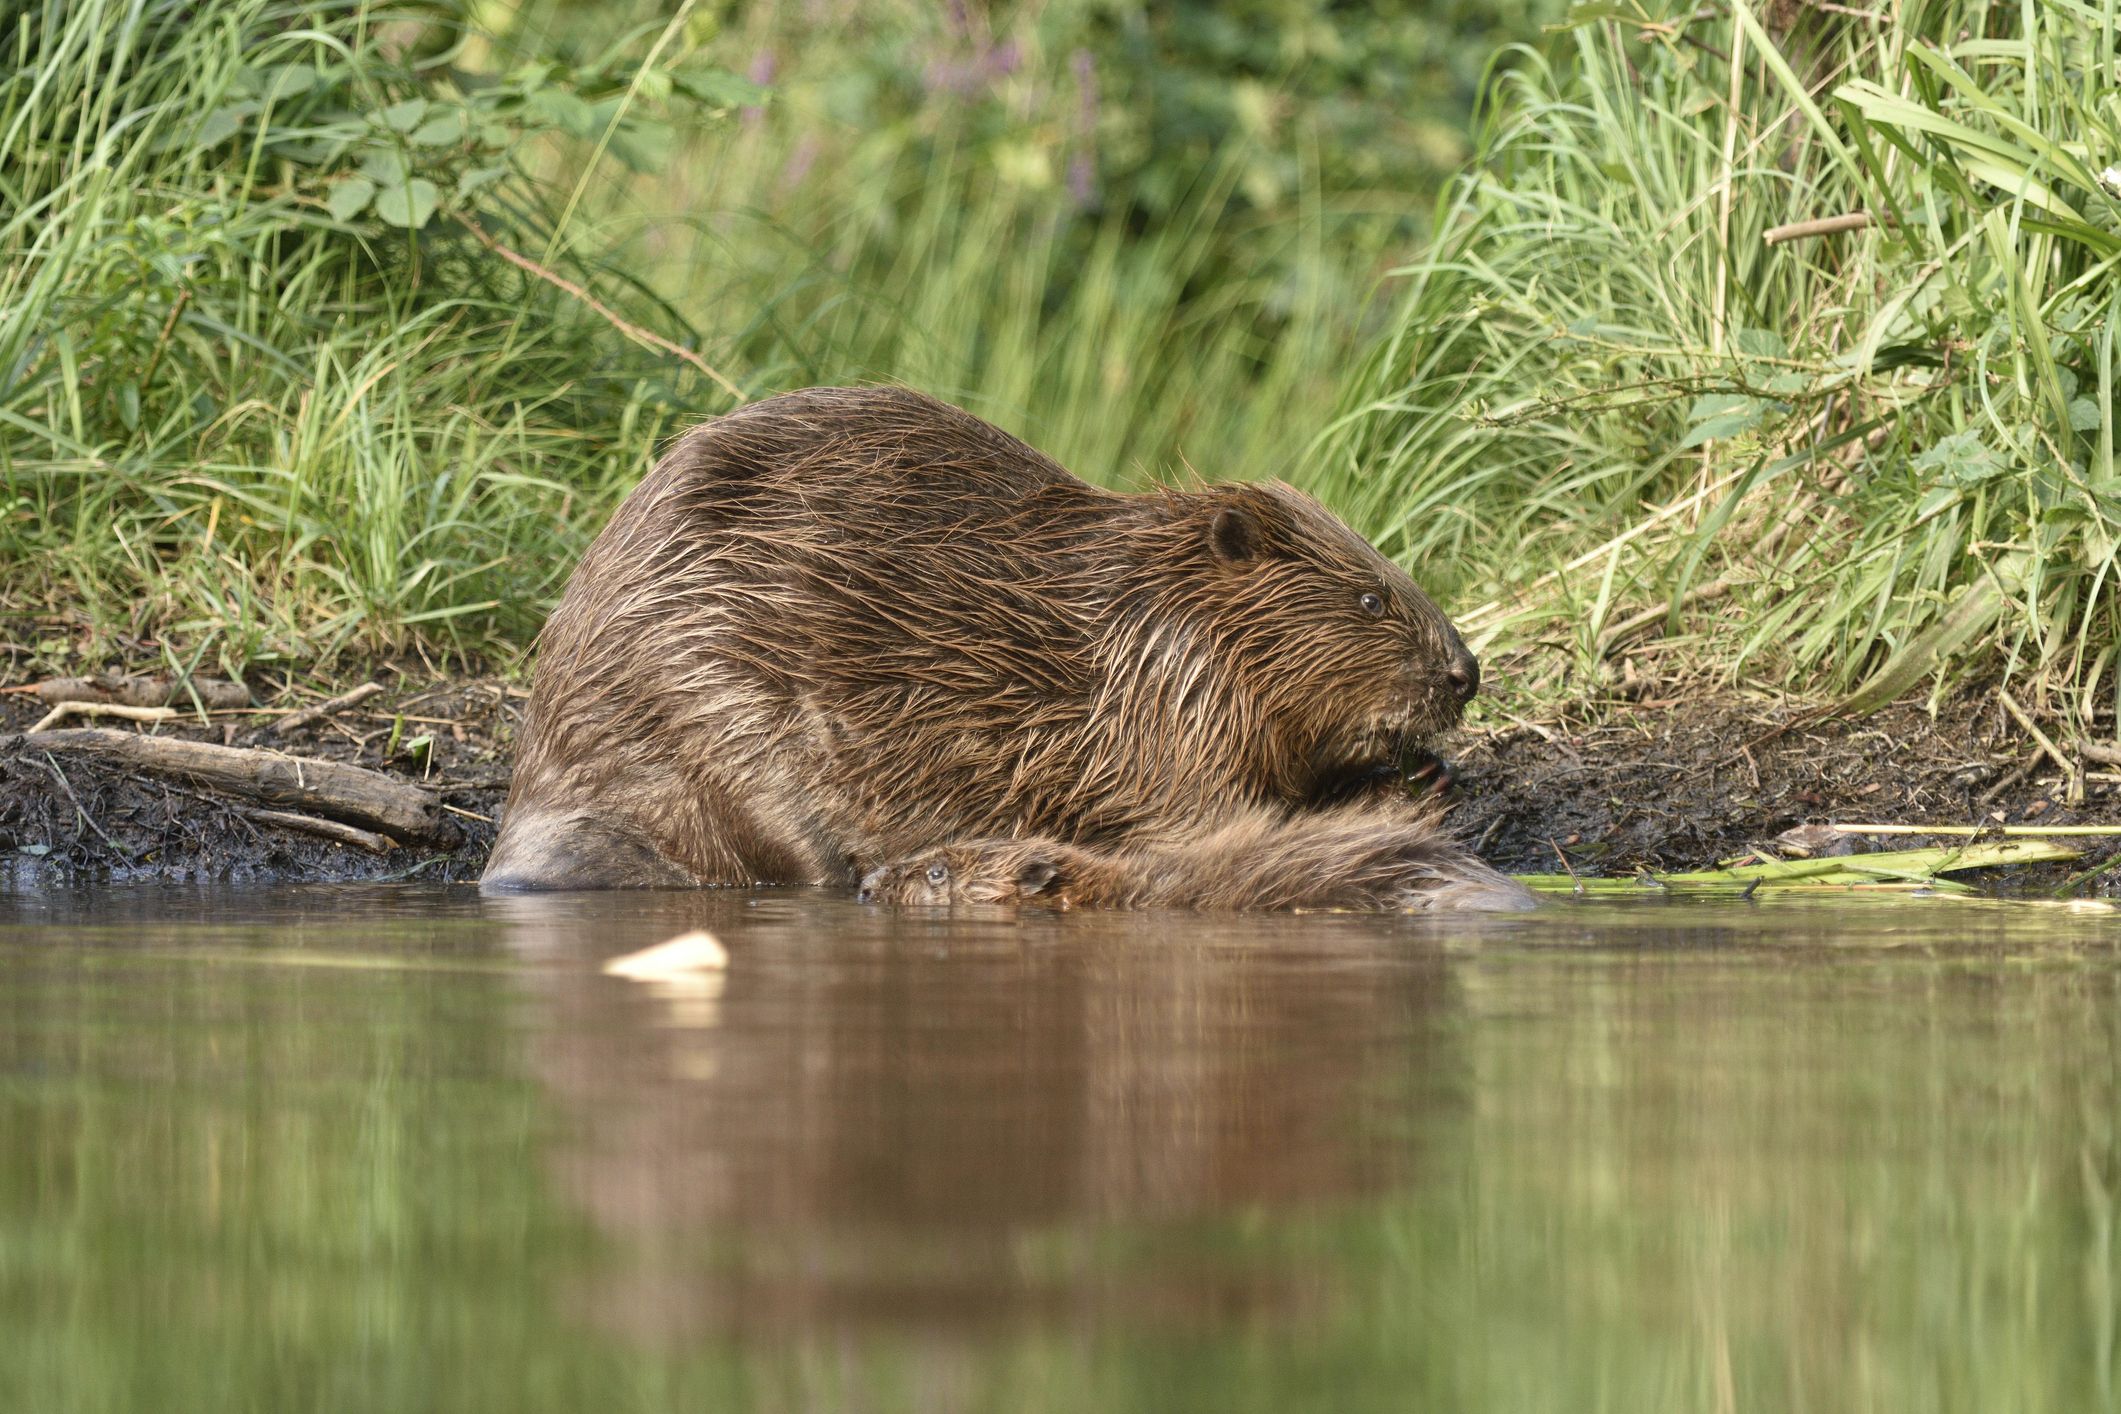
(402, 1149)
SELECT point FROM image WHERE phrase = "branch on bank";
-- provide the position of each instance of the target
(354, 795)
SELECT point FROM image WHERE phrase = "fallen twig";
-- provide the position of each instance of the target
(605, 312)
(353, 794)
(329, 829)
(2071, 771)
(120, 690)
(1823, 226)
(67, 709)
(1558, 854)
(2100, 752)
(340, 703)
(81, 810)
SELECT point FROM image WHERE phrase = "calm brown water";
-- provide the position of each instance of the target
(402, 1149)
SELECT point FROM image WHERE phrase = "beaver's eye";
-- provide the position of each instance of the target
(938, 874)
(1373, 605)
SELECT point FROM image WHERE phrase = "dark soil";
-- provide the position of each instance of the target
(1627, 789)
(1671, 788)
(67, 819)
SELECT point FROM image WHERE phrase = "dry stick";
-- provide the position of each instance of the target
(329, 829)
(123, 691)
(1565, 863)
(1612, 546)
(2010, 781)
(1719, 296)
(64, 710)
(1707, 593)
(354, 794)
(2099, 751)
(1715, 589)
(324, 709)
(80, 809)
(610, 316)
(2073, 773)
(1824, 226)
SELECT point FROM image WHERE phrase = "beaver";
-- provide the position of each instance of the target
(1358, 858)
(837, 627)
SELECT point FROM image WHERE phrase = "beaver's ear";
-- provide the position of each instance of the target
(1036, 874)
(1234, 535)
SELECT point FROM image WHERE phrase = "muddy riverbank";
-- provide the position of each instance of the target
(1614, 789)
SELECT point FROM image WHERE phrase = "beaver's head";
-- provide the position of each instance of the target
(1329, 652)
(993, 872)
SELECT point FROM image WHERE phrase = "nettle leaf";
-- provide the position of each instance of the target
(556, 108)
(286, 81)
(2083, 415)
(349, 198)
(1710, 405)
(643, 144)
(718, 88)
(477, 179)
(444, 129)
(1719, 415)
(1962, 459)
(1788, 383)
(404, 117)
(1717, 428)
(409, 205)
(217, 127)
(385, 164)
(653, 84)
(1760, 343)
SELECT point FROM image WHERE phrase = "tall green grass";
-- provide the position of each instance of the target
(327, 325)
(1610, 407)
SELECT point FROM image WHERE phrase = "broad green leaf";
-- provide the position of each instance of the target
(404, 117)
(718, 88)
(444, 129)
(218, 127)
(1728, 425)
(1761, 343)
(350, 197)
(475, 179)
(409, 205)
(1710, 405)
(1963, 459)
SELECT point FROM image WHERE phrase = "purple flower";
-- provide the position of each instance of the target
(763, 67)
(1082, 166)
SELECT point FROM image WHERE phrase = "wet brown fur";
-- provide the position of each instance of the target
(1357, 858)
(840, 626)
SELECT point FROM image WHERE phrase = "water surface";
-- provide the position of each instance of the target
(405, 1149)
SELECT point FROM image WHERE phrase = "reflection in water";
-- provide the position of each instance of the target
(879, 1107)
(405, 1149)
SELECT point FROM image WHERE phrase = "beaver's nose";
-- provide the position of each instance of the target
(1464, 675)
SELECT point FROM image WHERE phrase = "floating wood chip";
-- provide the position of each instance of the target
(682, 956)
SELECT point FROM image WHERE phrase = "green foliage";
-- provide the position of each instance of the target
(340, 325)
(1886, 451)
(264, 391)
